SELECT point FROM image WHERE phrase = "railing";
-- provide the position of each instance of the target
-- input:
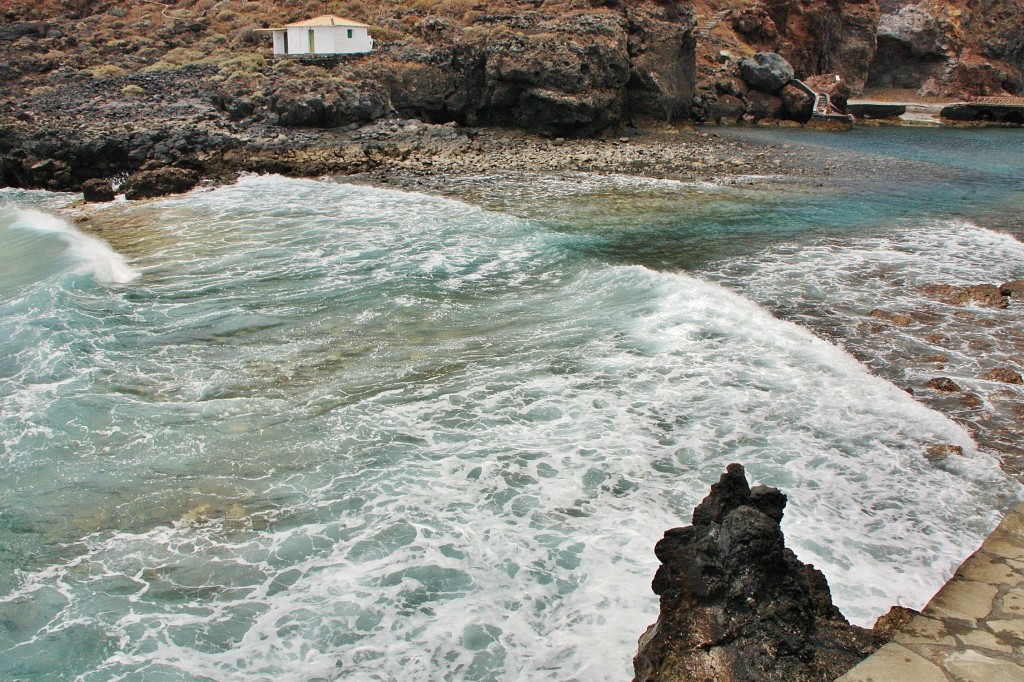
(1012, 101)
(822, 101)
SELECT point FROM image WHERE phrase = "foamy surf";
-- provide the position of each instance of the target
(95, 258)
(368, 435)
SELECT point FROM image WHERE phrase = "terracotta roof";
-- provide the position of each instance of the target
(328, 20)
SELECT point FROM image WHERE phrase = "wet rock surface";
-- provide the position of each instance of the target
(97, 190)
(943, 384)
(160, 182)
(984, 294)
(736, 604)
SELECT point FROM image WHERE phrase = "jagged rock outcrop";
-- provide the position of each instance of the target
(737, 605)
(319, 102)
(567, 73)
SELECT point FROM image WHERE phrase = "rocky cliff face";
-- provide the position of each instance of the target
(817, 36)
(950, 47)
(559, 73)
(737, 605)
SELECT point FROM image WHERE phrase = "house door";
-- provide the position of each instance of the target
(312, 42)
(285, 42)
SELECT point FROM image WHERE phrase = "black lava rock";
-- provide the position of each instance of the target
(737, 605)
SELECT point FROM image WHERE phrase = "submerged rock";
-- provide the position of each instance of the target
(898, 319)
(942, 451)
(1014, 288)
(943, 384)
(736, 604)
(985, 294)
(1004, 375)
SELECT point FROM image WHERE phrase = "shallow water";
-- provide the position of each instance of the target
(303, 429)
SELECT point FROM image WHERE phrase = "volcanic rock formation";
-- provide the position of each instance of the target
(736, 604)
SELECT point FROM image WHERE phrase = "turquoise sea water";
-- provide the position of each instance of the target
(305, 429)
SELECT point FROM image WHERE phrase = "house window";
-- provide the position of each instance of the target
(350, 33)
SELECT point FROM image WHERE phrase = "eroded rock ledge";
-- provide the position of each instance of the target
(736, 604)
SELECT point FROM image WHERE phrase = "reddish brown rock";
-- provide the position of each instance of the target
(1014, 288)
(762, 106)
(894, 621)
(985, 294)
(943, 384)
(942, 451)
(834, 85)
(1004, 375)
(971, 400)
(727, 109)
(898, 319)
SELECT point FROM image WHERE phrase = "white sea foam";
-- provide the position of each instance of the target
(832, 285)
(432, 444)
(95, 257)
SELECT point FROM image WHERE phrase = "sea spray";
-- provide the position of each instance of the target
(95, 258)
(364, 434)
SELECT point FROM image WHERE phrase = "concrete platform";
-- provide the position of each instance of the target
(973, 628)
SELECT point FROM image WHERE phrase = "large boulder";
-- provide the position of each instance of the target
(159, 182)
(761, 105)
(767, 71)
(573, 74)
(736, 604)
(727, 109)
(97, 190)
(799, 104)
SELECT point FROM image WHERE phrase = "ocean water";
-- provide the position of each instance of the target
(311, 430)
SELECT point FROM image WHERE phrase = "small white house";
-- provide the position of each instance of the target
(324, 35)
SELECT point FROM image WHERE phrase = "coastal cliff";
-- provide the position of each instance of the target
(737, 605)
(96, 89)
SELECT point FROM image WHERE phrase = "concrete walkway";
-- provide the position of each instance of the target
(972, 630)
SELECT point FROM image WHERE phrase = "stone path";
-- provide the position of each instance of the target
(972, 630)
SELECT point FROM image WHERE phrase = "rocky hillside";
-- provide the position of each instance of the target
(941, 47)
(92, 87)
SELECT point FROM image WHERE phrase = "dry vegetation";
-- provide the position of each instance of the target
(105, 39)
